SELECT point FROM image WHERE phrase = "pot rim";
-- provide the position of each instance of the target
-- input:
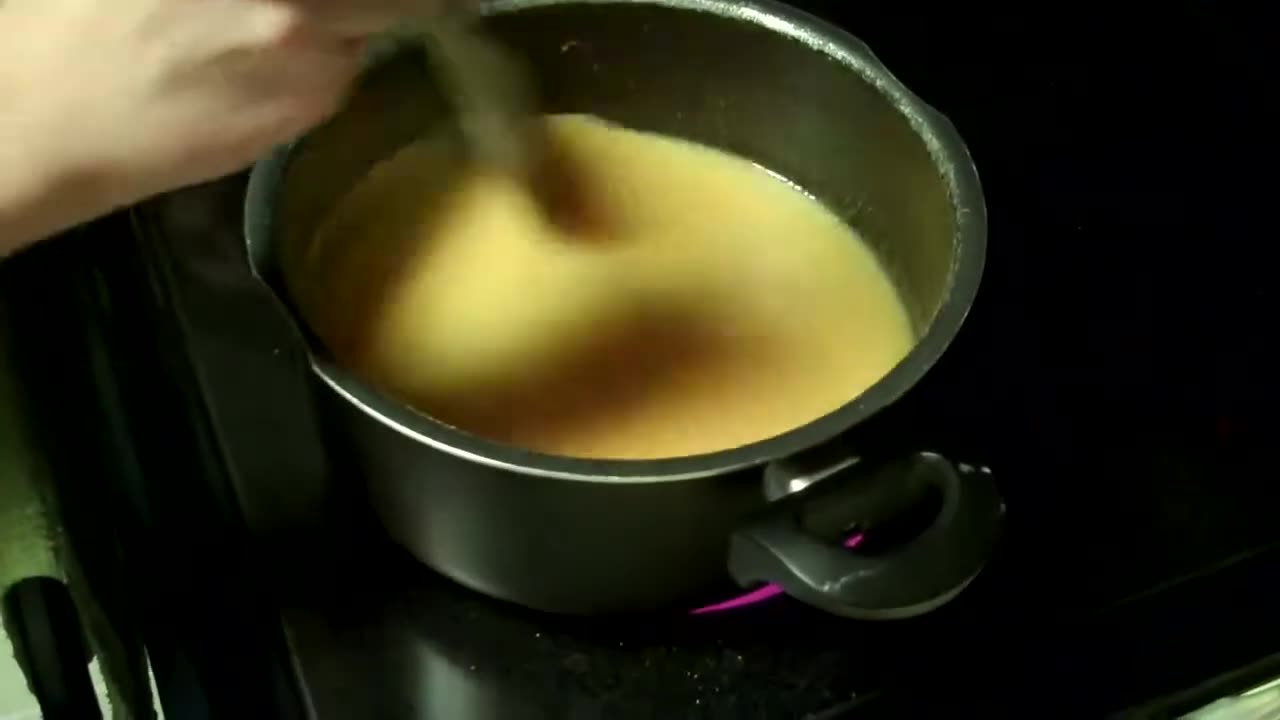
(950, 155)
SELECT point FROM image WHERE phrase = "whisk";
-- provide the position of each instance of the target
(497, 110)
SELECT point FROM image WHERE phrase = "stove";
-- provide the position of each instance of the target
(1114, 374)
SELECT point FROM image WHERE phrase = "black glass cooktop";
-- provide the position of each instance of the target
(1115, 374)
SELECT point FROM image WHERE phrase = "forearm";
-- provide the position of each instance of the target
(41, 194)
(28, 208)
(47, 184)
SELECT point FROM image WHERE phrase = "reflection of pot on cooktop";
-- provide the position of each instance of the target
(400, 641)
(587, 536)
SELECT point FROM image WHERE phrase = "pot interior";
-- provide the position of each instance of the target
(715, 73)
(757, 79)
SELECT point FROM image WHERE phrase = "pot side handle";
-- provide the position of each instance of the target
(792, 543)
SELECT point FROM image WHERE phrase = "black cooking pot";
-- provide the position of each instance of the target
(582, 536)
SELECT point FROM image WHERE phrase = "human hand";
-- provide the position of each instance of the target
(115, 101)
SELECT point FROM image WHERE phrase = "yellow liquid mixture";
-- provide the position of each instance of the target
(707, 305)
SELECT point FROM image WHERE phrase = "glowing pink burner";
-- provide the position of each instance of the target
(758, 595)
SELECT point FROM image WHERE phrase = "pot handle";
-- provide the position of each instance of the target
(798, 543)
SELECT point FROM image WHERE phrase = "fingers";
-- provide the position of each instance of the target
(311, 81)
(358, 18)
(301, 88)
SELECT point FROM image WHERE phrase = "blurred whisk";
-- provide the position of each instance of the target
(497, 110)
